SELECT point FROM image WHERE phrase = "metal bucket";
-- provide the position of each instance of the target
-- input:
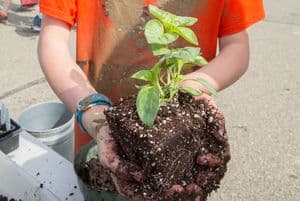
(53, 124)
(85, 154)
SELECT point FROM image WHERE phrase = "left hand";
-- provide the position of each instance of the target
(217, 129)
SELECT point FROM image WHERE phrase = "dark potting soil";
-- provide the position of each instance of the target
(167, 152)
(96, 176)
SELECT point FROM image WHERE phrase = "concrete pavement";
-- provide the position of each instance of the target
(262, 109)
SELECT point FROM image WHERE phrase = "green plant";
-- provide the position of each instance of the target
(165, 76)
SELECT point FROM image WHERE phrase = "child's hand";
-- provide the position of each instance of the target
(216, 126)
(109, 158)
(127, 176)
(95, 123)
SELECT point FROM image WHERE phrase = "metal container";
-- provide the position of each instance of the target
(53, 124)
(85, 154)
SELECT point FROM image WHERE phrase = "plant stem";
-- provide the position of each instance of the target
(162, 94)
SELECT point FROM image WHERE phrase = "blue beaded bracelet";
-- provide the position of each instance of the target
(88, 102)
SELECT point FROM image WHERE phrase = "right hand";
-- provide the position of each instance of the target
(125, 175)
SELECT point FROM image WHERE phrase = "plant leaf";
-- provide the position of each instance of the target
(200, 61)
(139, 87)
(191, 91)
(170, 18)
(207, 85)
(158, 49)
(147, 103)
(188, 34)
(153, 30)
(146, 75)
(166, 38)
(157, 67)
(188, 54)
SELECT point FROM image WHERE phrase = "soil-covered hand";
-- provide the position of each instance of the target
(94, 121)
(109, 158)
(215, 119)
(204, 179)
(208, 171)
(121, 170)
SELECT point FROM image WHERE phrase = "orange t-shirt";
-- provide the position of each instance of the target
(111, 45)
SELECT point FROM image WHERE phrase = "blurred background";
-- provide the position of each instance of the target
(262, 109)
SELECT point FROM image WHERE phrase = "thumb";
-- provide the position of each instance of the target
(107, 149)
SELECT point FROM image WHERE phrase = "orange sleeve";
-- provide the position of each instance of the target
(64, 10)
(239, 15)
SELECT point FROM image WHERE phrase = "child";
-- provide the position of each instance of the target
(111, 47)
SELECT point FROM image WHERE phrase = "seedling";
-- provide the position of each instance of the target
(164, 78)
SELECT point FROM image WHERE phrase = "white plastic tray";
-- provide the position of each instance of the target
(32, 165)
(15, 183)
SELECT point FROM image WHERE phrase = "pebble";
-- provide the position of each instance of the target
(197, 116)
(210, 119)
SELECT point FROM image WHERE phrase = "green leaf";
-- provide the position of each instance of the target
(191, 91)
(157, 67)
(158, 49)
(153, 30)
(173, 24)
(188, 66)
(146, 75)
(166, 38)
(170, 18)
(140, 87)
(207, 85)
(188, 34)
(148, 104)
(186, 21)
(200, 61)
(188, 54)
